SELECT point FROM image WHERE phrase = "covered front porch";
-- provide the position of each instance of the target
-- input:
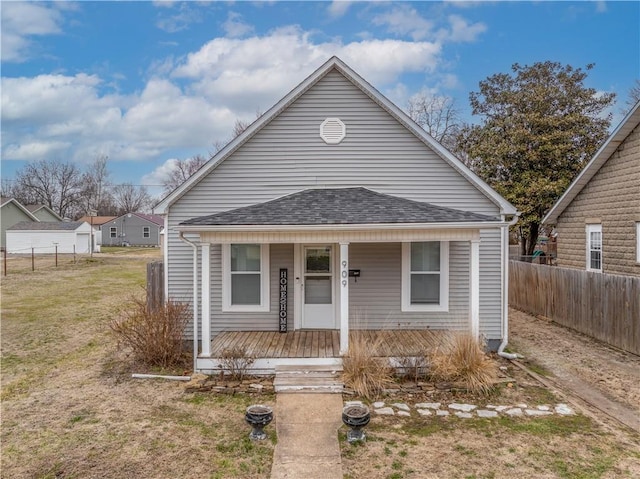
(319, 347)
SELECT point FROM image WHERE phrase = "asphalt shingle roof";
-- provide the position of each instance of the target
(338, 206)
(46, 225)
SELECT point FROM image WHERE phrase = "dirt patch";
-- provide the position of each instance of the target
(565, 353)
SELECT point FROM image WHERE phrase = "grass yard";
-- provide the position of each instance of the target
(69, 406)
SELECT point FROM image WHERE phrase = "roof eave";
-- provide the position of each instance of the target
(347, 226)
(626, 126)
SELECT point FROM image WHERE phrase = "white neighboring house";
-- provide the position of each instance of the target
(70, 237)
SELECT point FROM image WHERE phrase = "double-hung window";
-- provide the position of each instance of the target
(594, 247)
(113, 232)
(146, 232)
(245, 285)
(425, 276)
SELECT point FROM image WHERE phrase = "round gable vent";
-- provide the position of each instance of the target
(332, 131)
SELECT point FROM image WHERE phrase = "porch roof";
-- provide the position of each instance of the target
(342, 206)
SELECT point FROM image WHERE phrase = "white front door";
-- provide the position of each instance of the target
(318, 306)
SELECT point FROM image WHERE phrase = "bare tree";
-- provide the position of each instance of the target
(96, 194)
(131, 198)
(182, 170)
(634, 94)
(53, 183)
(238, 128)
(437, 115)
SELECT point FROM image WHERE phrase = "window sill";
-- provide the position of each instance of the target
(246, 309)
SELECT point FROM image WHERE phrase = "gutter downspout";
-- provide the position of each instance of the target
(505, 282)
(195, 298)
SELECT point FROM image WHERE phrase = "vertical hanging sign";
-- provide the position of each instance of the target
(283, 300)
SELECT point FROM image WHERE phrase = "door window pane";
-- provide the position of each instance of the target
(245, 289)
(245, 257)
(318, 260)
(317, 290)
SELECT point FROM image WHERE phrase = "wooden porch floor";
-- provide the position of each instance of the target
(326, 343)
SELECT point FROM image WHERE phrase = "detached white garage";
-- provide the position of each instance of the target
(74, 236)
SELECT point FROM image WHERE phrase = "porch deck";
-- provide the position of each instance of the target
(326, 343)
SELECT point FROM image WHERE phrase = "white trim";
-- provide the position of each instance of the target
(474, 288)
(371, 92)
(267, 366)
(330, 137)
(206, 300)
(593, 228)
(406, 306)
(265, 297)
(297, 287)
(165, 254)
(638, 242)
(302, 275)
(22, 208)
(343, 281)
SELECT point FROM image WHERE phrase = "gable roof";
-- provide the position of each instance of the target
(35, 208)
(97, 220)
(5, 200)
(334, 63)
(155, 219)
(46, 226)
(338, 206)
(628, 124)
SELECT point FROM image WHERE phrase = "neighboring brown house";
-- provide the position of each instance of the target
(598, 217)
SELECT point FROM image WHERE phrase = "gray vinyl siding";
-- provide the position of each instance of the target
(9, 216)
(375, 299)
(288, 155)
(130, 229)
(490, 284)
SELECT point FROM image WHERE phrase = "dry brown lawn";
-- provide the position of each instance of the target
(69, 406)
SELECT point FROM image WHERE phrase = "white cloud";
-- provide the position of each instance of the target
(179, 21)
(463, 31)
(234, 27)
(404, 20)
(20, 22)
(161, 173)
(36, 149)
(338, 8)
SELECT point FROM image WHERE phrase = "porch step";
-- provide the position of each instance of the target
(308, 379)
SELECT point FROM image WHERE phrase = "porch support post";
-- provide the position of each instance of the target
(344, 298)
(206, 300)
(474, 288)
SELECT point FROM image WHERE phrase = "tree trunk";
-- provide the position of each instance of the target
(532, 240)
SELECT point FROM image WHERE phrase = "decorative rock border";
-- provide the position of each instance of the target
(468, 411)
(205, 383)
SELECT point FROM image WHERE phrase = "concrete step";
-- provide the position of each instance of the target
(307, 379)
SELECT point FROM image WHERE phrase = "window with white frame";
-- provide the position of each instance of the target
(146, 232)
(113, 232)
(245, 284)
(594, 247)
(425, 276)
(637, 242)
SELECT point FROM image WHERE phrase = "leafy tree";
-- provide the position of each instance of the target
(182, 170)
(540, 125)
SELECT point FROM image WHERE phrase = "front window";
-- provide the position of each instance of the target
(425, 276)
(246, 281)
(594, 247)
(113, 232)
(146, 232)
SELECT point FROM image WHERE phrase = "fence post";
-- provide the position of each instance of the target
(33, 260)
(56, 256)
(4, 254)
(155, 284)
(74, 254)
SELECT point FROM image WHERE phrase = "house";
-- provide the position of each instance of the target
(43, 213)
(132, 229)
(598, 218)
(96, 223)
(44, 236)
(334, 213)
(12, 212)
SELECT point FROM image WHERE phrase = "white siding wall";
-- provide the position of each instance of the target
(288, 155)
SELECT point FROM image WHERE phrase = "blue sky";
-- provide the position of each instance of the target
(148, 82)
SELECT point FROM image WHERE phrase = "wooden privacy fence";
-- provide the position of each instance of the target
(155, 284)
(603, 306)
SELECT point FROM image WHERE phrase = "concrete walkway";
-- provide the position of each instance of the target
(307, 427)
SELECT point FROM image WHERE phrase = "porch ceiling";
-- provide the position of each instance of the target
(333, 207)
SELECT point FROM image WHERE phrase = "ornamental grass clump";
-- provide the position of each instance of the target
(463, 360)
(153, 332)
(367, 375)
